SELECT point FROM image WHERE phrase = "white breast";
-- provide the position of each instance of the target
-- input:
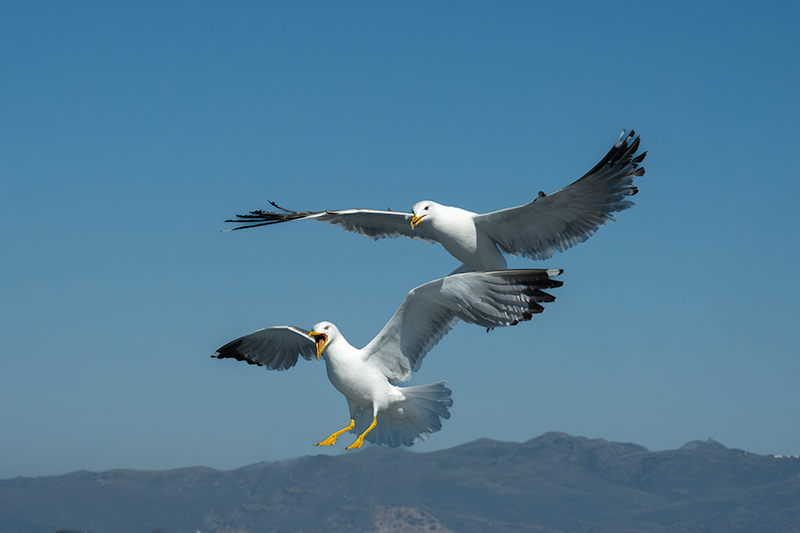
(359, 381)
(456, 231)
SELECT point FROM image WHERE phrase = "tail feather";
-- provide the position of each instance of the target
(408, 420)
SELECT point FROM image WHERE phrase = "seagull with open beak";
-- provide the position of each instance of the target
(380, 411)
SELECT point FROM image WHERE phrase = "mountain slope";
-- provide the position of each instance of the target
(553, 483)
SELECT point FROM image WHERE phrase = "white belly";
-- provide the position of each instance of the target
(472, 247)
(362, 384)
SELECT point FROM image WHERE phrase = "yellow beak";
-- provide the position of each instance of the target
(320, 339)
(416, 219)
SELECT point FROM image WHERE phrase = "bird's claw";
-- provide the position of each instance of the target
(357, 444)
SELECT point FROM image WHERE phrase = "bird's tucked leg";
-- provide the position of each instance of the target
(360, 440)
(330, 441)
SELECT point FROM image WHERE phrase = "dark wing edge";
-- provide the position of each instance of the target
(261, 217)
(276, 348)
(617, 169)
(620, 155)
(506, 297)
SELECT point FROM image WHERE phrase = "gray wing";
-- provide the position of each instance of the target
(488, 299)
(573, 214)
(371, 223)
(276, 348)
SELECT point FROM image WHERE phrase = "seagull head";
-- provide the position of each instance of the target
(421, 210)
(322, 334)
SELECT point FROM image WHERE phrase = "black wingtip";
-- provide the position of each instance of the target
(231, 351)
(621, 154)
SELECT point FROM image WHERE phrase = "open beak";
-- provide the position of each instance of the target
(319, 339)
(416, 219)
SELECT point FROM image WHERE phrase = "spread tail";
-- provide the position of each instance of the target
(415, 417)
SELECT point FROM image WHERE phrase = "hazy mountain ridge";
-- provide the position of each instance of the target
(551, 483)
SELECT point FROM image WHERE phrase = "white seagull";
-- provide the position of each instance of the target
(550, 222)
(380, 411)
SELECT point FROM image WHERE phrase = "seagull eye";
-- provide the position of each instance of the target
(426, 208)
(327, 327)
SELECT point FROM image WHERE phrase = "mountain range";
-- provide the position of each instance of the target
(553, 483)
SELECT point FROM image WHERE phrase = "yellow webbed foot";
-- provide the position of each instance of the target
(357, 444)
(330, 441)
(360, 440)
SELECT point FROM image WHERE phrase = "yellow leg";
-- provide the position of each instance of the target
(360, 440)
(330, 441)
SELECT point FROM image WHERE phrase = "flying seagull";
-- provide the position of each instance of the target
(380, 411)
(550, 222)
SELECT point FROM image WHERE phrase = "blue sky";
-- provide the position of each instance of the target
(129, 132)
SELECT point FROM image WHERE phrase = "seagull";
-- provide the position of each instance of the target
(380, 411)
(550, 222)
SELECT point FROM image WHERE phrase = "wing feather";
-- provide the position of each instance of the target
(372, 223)
(488, 299)
(276, 348)
(573, 214)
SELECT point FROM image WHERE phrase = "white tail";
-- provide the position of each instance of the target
(414, 418)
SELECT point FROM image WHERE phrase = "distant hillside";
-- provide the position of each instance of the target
(553, 483)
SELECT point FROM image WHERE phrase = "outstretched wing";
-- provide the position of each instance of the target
(573, 214)
(276, 348)
(371, 223)
(489, 299)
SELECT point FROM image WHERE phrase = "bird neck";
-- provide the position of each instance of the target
(338, 348)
